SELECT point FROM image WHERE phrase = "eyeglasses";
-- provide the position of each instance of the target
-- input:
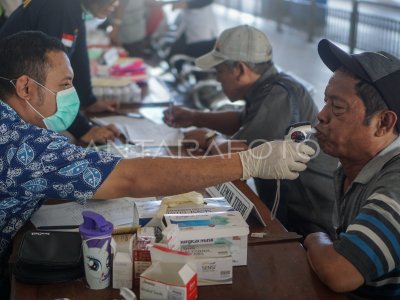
(338, 107)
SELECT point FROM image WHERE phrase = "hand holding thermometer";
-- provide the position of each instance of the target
(299, 132)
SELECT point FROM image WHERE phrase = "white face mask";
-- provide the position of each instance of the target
(67, 109)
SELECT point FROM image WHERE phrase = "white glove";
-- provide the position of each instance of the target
(275, 160)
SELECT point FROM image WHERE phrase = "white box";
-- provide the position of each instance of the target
(144, 211)
(213, 262)
(122, 270)
(171, 276)
(213, 228)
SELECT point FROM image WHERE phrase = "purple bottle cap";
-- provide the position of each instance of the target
(94, 225)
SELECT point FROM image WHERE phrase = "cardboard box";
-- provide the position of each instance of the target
(122, 270)
(146, 233)
(122, 261)
(213, 262)
(141, 258)
(213, 228)
(171, 276)
(144, 211)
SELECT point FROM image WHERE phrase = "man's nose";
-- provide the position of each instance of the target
(323, 115)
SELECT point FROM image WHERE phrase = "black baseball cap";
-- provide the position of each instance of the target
(380, 69)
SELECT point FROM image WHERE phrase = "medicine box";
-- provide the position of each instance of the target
(213, 263)
(122, 269)
(172, 275)
(141, 258)
(144, 211)
(212, 228)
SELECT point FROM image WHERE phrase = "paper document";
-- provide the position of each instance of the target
(117, 211)
(154, 114)
(143, 131)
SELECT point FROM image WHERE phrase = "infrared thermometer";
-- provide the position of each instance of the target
(299, 132)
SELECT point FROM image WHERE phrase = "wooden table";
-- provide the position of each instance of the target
(275, 270)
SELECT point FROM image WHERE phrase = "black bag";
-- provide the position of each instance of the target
(49, 257)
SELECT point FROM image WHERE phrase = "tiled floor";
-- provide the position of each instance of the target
(292, 52)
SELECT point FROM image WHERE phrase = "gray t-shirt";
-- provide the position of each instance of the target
(368, 215)
(275, 101)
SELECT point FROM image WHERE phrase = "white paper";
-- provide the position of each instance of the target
(144, 132)
(155, 114)
(116, 211)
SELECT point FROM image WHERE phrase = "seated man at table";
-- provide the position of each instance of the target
(360, 125)
(36, 93)
(274, 100)
(65, 21)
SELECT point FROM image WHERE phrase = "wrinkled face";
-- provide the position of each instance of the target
(101, 8)
(230, 85)
(341, 131)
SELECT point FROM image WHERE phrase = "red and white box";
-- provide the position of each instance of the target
(141, 258)
(172, 275)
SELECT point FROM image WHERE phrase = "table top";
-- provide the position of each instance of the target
(277, 266)
(276, 269)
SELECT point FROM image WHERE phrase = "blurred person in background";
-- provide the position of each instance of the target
(65, 20)
(199, 28)
(274, 100)
(6, 8)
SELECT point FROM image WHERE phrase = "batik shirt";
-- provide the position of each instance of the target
(36, 164)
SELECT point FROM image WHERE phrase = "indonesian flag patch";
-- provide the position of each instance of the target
(67, 40)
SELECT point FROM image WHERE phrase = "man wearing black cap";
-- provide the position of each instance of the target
(359, 124)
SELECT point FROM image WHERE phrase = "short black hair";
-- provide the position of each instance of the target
(25, 53)
(369, 95)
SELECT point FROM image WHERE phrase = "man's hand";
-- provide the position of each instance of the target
(275, 160)
(178, 116)
(103, 106)
(197, 138)
(100, 134)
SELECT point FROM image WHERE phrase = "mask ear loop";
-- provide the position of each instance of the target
(36, 111)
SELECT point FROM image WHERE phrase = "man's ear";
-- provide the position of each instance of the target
(240, 70)
(24, 87)
(386, 122)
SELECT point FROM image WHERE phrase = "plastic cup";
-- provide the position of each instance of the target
(96, 244)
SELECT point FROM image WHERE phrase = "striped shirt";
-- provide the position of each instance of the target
(368, 215)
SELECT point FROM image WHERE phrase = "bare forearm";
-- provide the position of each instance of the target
(220, 145)
(225, 122)
(167, 176)
(333, 269)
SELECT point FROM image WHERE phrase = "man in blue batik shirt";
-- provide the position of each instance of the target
(38, 100)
